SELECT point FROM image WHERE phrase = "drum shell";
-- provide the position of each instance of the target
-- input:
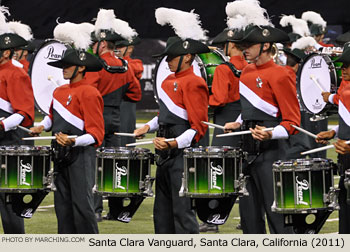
(212, 172)
(301, 185)
(120, 170)
(24, 168)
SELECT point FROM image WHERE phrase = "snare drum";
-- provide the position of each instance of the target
(123, 171)
(212, 172)
(204, 66)
(24, 169)
(303, 186)
(316, 72)
(46, 78)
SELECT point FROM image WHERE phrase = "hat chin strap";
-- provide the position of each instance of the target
(74, 73)
(125, 51)
(226, 51)
(260, 52)
(179, 64)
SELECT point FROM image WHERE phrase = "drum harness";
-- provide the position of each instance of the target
(235, 71)
(115, 69)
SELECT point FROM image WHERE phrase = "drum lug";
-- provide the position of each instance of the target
(332, 198)
(182, 189)
(147, 186)
(316, 118)
(242, 185)
(274, 206)
(49, 181)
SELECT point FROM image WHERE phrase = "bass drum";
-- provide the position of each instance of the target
(316, 74)
(204, 66)
(44, 77)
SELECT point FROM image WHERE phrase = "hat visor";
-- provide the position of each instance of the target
(59, 64)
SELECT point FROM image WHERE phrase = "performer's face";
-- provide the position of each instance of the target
(68, 72)
(346, 71)
(173, 63)
(252, 52)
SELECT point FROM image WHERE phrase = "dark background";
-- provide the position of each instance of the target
(41, 16)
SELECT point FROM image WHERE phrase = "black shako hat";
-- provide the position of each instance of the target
(345, 56)
(11, 41)
(293, 37)
(228, 35)
(125, 42)
(343, 38)
(107, 35)
(297, 53)
(264, 34)
(73, 57)
(316, 30)
(175, 46)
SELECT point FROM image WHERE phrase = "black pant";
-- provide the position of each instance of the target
(73, 198)
(172, 214)
(11, 223)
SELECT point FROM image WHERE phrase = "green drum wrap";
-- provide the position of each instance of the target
(24, 168)
(208, 63)
(120, 170)
(211, 172)
(303, 185)
(337, 66)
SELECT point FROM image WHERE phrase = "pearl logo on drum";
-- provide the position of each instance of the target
(214, 172)
(51, 54)
(216, 219)
(300, 187)
(120, 172)
(315, 64)
(24, 169)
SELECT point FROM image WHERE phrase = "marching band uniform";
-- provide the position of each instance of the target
(17, 111)
(268, 98)
(76, 109)
(225, 99)
(183, 105)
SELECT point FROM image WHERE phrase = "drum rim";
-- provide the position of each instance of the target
(327, 106)
(31, 151)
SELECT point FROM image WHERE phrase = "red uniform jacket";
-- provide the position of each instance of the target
(16, 93)
(108, 82)
(81, 105)
(187, 93)
(225, 85)
(136, 65)
(25, 64)
(343, 84)
(271, 89)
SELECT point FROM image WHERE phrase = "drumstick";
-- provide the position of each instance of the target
(312, 77)
(321, 149)
(214, 125)
(245, 132)
(50, 78)
(2, 118)
(125, 134)
(149, 142)
(46, 137)
(304, 131)
(24, 129)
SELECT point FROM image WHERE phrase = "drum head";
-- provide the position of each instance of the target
(316, 73)
(40, 73)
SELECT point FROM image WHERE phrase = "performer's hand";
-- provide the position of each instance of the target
(160, 144)
(62, 139)
(140, 133)
(259, 134)
(231, 126)
(36, 130)
(325, 96)
(341, 147)
(324, 136)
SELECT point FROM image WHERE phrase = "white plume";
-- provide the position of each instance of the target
(20, 29)
(303, 43)
(242, 13)
(77, 34)
(299, 26)
(123, 29)
(3, 25)
(104, 21)
(185, 24)
(314, 18)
